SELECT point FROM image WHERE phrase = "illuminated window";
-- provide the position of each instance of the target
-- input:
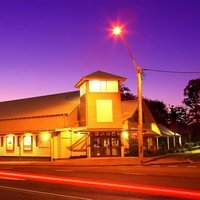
(103, 86)
(112, 86)
(82, 89)
(104, 110)
(10, 143)
(28, 143)
(94, 86)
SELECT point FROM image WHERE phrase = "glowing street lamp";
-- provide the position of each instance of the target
(118, 31)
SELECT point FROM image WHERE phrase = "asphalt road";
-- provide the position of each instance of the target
(174, 177)
(33, 191)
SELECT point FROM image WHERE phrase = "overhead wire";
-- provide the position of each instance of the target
(170, 71)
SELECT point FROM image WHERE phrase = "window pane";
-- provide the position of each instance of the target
(103, 86)
(104, 111)
(112, 86)
(82, 89)
(9, 143)
(94, 86)
(28, 143)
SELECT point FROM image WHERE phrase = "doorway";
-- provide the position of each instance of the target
(104, 144)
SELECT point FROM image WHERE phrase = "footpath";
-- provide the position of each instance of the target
(112, 161)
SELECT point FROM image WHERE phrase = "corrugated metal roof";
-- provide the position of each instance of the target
(62, 103)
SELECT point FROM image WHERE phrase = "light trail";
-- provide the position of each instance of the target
(132, 188)
(11, 178)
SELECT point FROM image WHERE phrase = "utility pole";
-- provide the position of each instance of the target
(117, 30)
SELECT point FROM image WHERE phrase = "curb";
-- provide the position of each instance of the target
(50, 164)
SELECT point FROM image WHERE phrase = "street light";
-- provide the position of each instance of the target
(118, 31)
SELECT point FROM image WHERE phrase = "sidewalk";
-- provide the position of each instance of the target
(108, 161)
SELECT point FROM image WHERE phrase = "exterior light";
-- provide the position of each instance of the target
(125, 134)
(45, 136)
(117, 30)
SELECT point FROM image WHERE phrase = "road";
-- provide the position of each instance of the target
(95, 183)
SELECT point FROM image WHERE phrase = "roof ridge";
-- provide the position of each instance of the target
(100, 75)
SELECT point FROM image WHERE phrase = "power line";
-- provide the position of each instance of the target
(168, 71)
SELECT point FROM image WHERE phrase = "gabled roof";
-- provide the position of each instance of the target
(62, 103)
(128, 108)
(131, 106)
(100, 75)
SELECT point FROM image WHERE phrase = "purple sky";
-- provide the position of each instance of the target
(46, 46)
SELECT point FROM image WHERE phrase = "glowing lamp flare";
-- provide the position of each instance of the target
(117, 30)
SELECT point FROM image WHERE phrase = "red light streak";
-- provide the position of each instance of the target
(153, 190)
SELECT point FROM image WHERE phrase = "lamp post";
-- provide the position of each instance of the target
(117, 31)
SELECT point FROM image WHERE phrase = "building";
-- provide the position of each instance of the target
(89, 122)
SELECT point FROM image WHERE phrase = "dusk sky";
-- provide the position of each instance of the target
(46, 46)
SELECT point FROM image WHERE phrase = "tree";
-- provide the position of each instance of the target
(126, 94)
(178, 114)
(178, 121)
(192, 100)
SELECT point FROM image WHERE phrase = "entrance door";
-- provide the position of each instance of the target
(105, 144)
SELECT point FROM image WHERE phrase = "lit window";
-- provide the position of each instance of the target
(28, 143)
(104, 110)
(82, 89)
(94, 86)
(10, 143)
(112, 86)
(103, 86)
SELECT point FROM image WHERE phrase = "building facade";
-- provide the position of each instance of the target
(89, 122)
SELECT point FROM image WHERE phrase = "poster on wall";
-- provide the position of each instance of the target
(27, 143)
(10, 143)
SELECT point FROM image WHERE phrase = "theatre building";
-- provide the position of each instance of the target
(89, 122)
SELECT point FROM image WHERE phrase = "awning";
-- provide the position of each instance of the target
(166, 132)
(89, 130)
